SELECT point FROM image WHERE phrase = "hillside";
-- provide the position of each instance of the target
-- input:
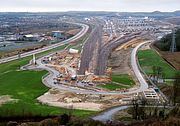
(165, 43)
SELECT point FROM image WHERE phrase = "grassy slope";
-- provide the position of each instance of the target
(111, 86)
(26, 86)
(149, 58)
(123, 78)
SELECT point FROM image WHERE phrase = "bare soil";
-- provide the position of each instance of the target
(172, 58)
(73, 31)
(119, 59)
(5, 99)
(60, 98)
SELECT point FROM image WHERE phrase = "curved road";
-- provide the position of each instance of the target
(49, 80)
(74, 38)
(108, 115)
(134, 64)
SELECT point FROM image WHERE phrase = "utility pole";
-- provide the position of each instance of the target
(19, 55)
(173, 43)
(34, 59)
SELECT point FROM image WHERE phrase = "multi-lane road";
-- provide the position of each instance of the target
(74, 38)
(91, 44)
(103, 55)
(49, 80)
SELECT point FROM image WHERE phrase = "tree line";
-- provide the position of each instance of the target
(165, 43)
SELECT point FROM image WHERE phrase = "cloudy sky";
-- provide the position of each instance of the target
(88, 5)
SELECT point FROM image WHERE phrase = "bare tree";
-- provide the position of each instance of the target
(176, 89)
(138, 108)
(157, 73)
(135, 108)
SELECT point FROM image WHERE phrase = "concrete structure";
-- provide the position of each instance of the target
(73, 51)
(30, 37)
(150, 95)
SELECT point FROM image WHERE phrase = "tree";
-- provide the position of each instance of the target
(176, 89)
(64, 119)
(157, 73)
(154, 73)
(138, 109)
(135, 108)
(142, 112)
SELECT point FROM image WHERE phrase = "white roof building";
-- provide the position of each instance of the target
(28, 36)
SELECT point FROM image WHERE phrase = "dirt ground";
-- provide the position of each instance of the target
(172, 58)
(60, 98)
(5, 99)
(74, 31)
(119, 60)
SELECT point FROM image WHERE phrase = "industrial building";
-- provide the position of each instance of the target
(58, 34)
(30, 37)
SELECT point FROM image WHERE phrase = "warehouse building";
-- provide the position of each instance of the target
(58, 34)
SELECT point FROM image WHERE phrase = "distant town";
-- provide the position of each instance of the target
(111, 68)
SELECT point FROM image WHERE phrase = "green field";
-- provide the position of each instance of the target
(118, 82)
(123, 79)
(149, 58)
(111, 86)
(26, 86)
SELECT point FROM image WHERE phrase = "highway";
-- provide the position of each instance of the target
(74, 38)
(106, 50)
(49, 80)
(88, 50)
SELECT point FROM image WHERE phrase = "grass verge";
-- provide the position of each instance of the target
(26, 86)
(111, 86)
(149, 58)
(123, 79)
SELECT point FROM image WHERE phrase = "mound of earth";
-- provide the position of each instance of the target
(6, 98)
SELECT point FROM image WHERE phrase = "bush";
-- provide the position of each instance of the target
(48, 122)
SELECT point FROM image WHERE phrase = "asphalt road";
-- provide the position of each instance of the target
(74, 38)
(134, 64)
(49, 80)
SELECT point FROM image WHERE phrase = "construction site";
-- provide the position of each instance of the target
(80, 70)
(98, 68)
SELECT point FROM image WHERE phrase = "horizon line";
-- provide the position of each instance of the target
(86, 11)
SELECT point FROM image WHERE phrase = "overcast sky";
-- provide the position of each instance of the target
(88, 5)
